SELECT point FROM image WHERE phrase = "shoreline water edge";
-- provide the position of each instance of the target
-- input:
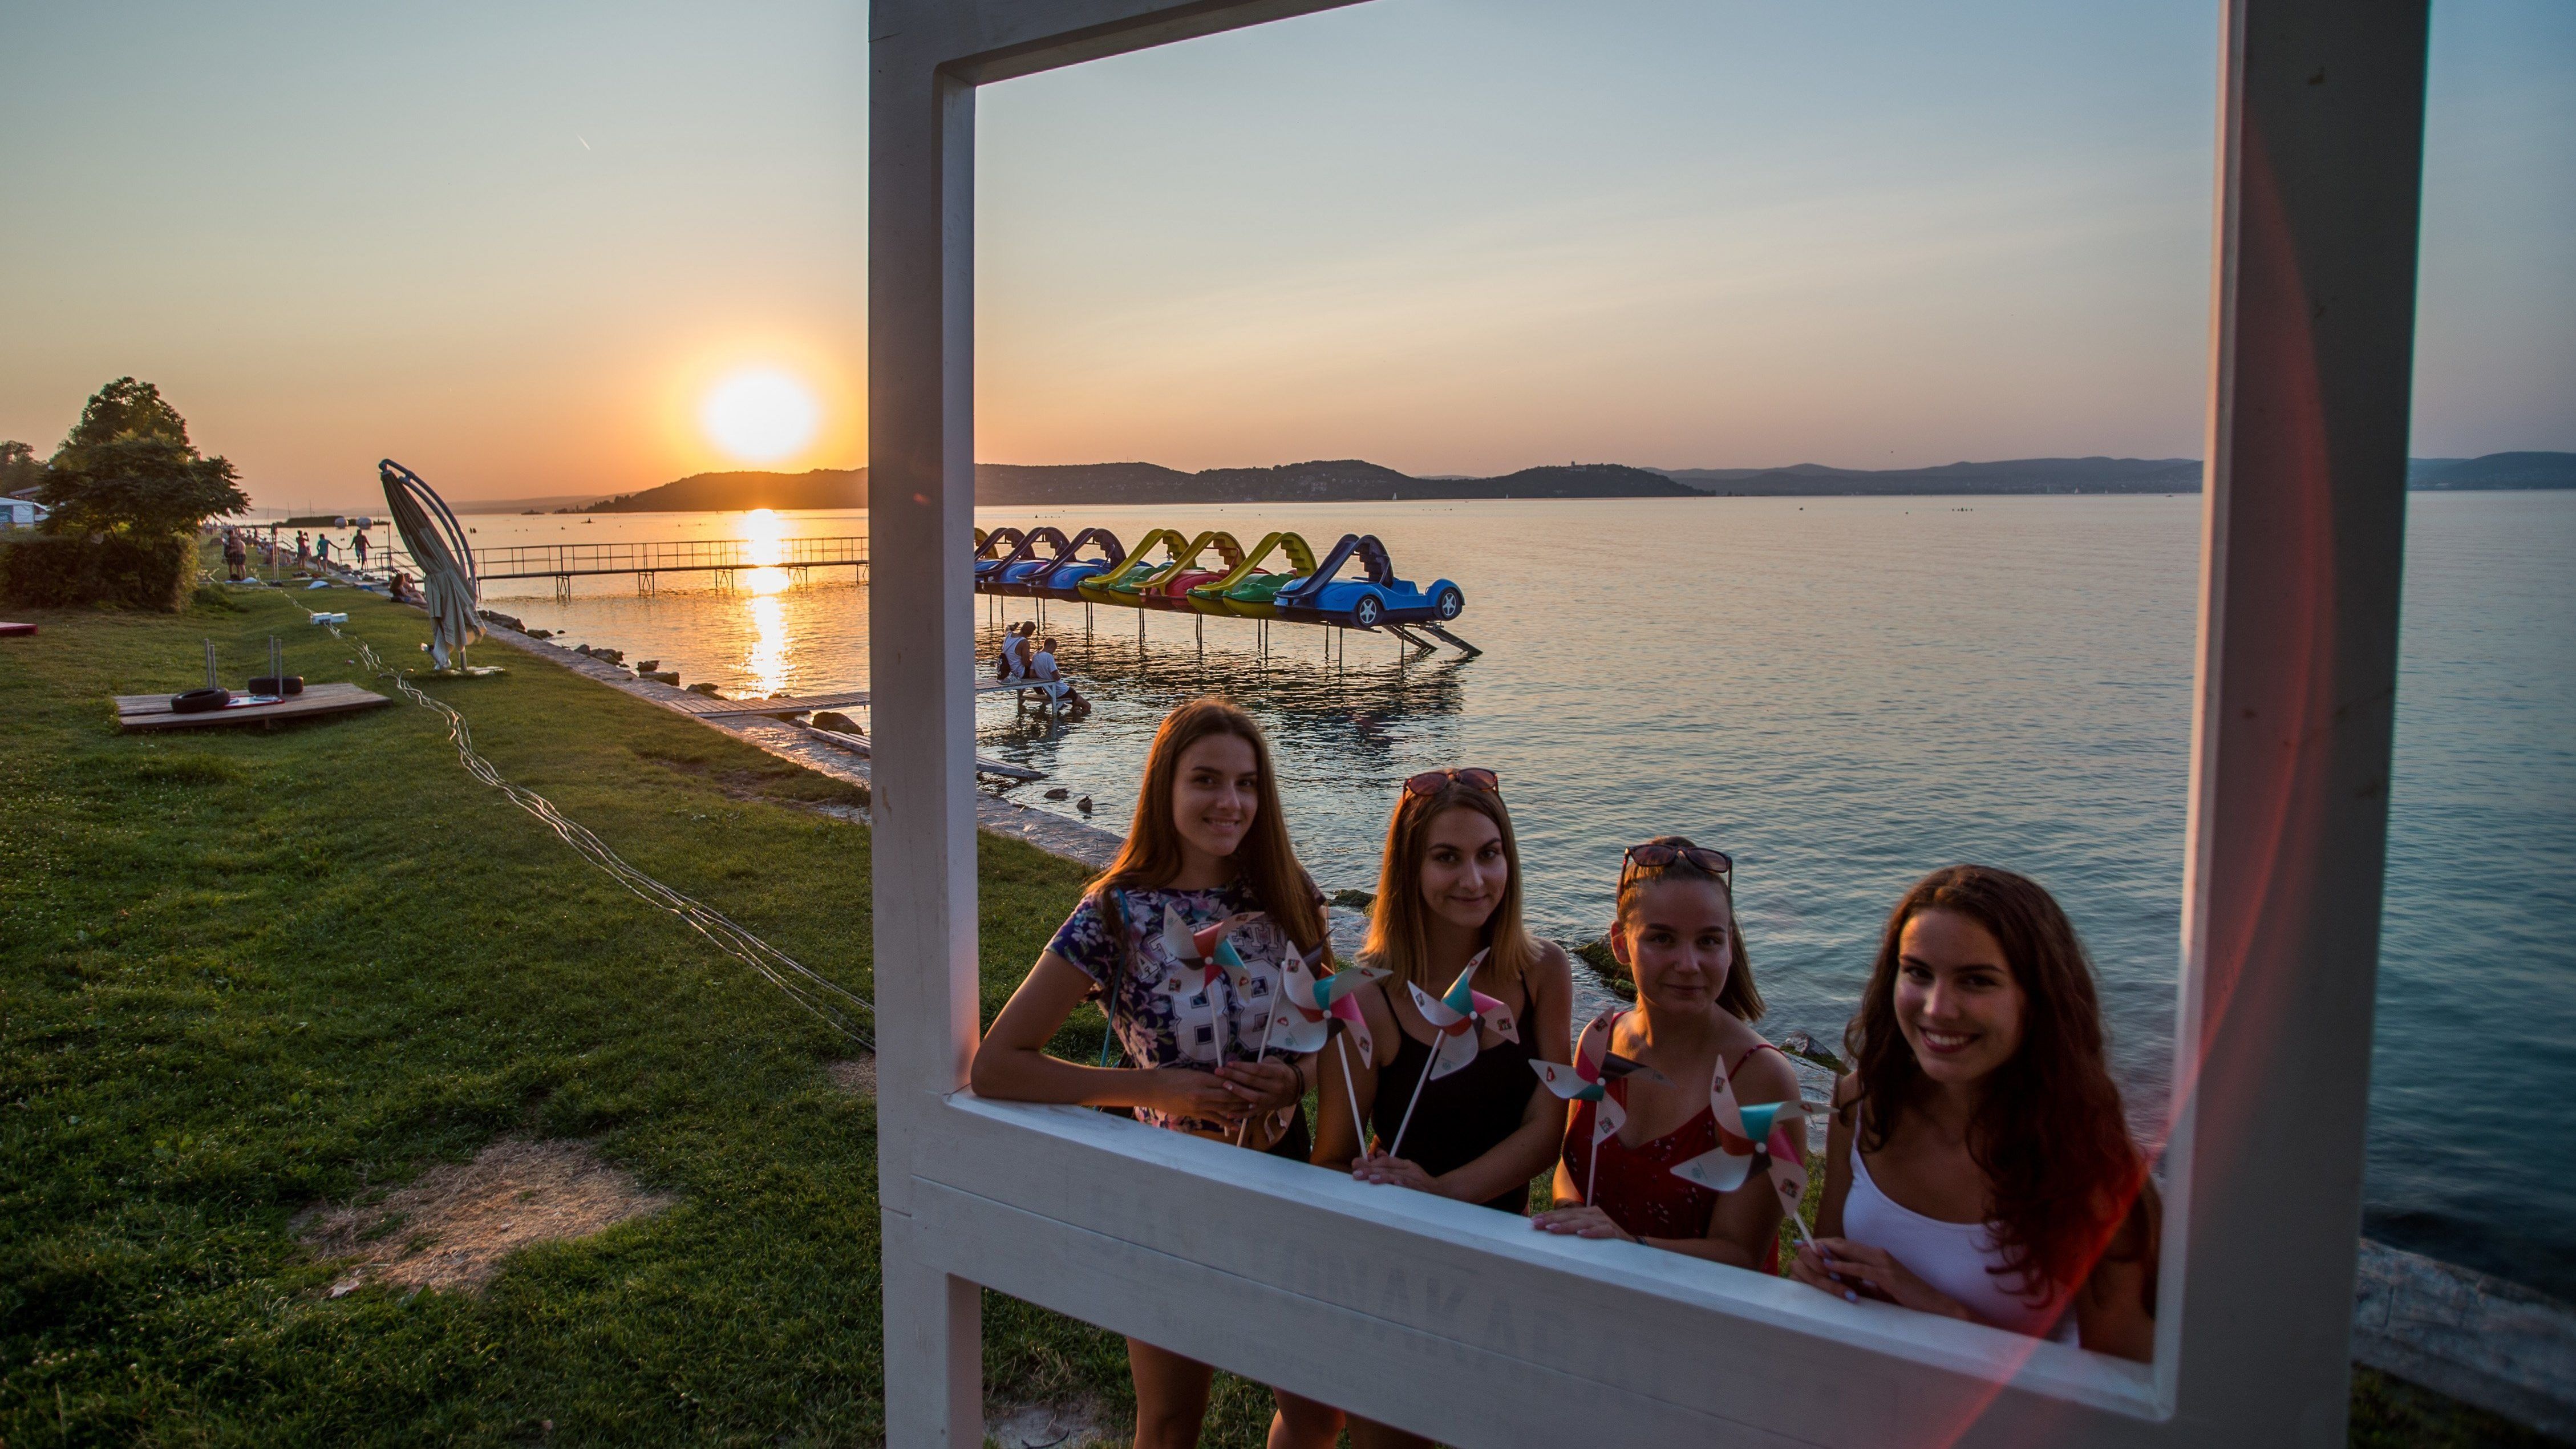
(2480, 1339)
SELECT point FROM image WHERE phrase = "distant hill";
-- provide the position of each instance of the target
(1350, 479)
(2495, 470)
(2014, 475)
(550, 503)
(1076, 484)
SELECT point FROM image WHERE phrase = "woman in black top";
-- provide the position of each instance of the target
(1448, 888)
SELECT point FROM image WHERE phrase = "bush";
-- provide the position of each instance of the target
(124, 571)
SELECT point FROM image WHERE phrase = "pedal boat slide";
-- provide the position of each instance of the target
(1376, 597)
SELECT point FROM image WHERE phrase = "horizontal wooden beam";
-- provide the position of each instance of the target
(1204, 1229)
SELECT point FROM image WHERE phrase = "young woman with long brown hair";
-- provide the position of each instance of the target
(1449, 886)
(1979, 1165)
(1675, 932)
(1206, 844)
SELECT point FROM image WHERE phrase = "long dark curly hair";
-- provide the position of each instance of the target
(2067, 1185)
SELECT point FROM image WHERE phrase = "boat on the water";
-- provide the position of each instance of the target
(1119, 585)
(1248, 591)
(1170, 588)
(1212, 573)
(1376, 597)
(1063, 578)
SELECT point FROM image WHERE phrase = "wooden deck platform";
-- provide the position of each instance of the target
(153, 712)
(708, 707)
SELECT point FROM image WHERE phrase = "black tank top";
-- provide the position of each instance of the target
(1463, 1115)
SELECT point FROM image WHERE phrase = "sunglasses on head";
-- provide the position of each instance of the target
(1432, 782)
(1656, 857)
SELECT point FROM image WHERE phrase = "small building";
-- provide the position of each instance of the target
(21, 512)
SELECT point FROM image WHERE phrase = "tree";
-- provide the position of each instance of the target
(128, 467)
(18, 467)
(124, 406)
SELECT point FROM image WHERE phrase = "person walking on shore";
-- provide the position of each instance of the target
(303, 548)
(361, 545)
(235, 555)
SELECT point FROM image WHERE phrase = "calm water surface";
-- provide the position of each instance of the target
(1845, 693)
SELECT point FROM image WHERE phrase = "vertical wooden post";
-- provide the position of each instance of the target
(2320, 166)
(921, 502)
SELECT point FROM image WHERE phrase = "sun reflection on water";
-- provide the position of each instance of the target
(768, 663)
(765, 540)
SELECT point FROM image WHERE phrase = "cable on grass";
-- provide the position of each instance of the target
(823, 998)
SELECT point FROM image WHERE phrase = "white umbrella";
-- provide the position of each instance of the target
(430, 534)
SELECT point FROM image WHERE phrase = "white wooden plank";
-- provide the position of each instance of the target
(1427, 1382)
(1623, 1317)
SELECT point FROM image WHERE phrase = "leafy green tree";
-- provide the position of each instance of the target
(128, 467)
(18, 467)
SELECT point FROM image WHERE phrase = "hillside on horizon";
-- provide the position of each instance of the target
(1352, 479)
(1074, 484)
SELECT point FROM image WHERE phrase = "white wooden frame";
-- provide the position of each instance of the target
(1461, 1323)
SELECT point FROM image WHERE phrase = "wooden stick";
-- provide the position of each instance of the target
(1418, 1083)
(1243, 1134)
(1800, 1224)
(1359, 1124)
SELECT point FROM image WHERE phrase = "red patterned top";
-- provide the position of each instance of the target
(1636, 1187)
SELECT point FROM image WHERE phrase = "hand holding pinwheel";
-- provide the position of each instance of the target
(1852, 1271)
(1770, 1139)
(1595, 1067)
(1454, 1016)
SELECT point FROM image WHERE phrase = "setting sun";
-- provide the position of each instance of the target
(761, 415)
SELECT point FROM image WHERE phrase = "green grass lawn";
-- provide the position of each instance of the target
(243, 971)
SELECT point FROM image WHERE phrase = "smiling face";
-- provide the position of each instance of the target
(1956, 999)
(1464, 867)
(1216, 792)
(1673, 937)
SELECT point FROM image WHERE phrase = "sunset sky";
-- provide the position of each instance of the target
(521, 248)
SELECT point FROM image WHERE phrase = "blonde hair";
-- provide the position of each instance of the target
(1399, 939)
(1265, 863)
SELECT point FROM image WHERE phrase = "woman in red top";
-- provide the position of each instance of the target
(1676, 934)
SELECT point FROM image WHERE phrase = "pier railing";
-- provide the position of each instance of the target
(724, 557)
(694, 555)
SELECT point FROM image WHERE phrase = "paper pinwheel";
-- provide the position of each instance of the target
(1770, 1139)
(1309, 1004)
(1595, 1067)
(1208, 949)
(1454, 1016)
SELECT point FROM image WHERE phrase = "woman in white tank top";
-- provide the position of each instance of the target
(1979, 1166)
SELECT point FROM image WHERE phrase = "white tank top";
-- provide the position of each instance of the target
(1953, 1257)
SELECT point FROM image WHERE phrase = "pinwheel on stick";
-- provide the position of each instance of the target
(1309, 1005)
(1215, 956)
(1454, 1016)
(1769, 1138)
(1595, 1067)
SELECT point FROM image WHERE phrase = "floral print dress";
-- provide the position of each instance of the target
(1167, 1012)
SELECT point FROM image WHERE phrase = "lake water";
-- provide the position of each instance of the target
(1844, 693)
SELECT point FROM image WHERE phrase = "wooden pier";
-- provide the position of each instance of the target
(645, 562)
